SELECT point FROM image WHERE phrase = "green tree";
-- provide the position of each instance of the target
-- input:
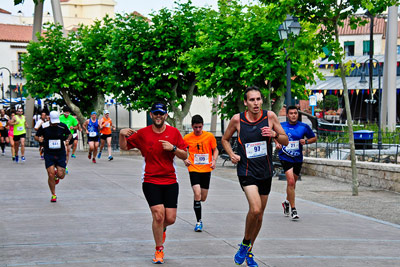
(239, 46)
(145, 59)
(72, 67)
(330, 15)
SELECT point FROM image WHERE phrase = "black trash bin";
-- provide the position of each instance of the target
(363, 139)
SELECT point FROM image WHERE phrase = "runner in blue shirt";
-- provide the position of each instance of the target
(291, 156)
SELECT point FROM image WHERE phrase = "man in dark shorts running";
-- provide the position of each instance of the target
(159, 144)
(291, 156)
(255, 128)
(53, 134)
(203, 154)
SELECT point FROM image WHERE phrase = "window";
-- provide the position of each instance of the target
(349, 48)
(20, 61)
(366, 47)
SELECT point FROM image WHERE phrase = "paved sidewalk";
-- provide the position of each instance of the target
(102, 219)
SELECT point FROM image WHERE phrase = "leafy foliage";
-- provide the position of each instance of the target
(239, 46)
(72, 66)
(145, 59)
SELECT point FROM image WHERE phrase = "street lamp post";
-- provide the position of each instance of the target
(290, 27)
(9, 86)
(363, 80)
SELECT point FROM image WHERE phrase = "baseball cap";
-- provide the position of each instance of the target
(160, 107)
(93, 113)
(106, 112)
(54, 117)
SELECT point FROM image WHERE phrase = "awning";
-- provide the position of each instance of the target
(353, 83)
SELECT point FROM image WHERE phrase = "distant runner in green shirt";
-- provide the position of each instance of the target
(20, 125)
(72, 125)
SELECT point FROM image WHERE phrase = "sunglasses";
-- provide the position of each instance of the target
(158, 113)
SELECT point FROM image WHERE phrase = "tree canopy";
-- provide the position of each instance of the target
(239, 46)
(145, 59)
(71, 66)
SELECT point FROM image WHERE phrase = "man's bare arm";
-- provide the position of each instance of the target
(281, 136)
(232, 128)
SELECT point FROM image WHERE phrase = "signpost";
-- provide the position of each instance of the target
(313, 102)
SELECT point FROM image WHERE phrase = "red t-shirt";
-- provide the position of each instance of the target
(159, 167)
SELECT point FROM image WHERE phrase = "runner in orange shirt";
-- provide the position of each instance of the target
(105, 133)
(203, 154)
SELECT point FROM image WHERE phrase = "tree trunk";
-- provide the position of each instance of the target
(349, 123)
(75, 109)
(277, 106)
(179, 115)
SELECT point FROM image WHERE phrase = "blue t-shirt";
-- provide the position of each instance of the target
(293, 152)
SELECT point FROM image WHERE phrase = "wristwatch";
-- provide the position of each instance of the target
(306, 142)
(277, 134)
(173, 149)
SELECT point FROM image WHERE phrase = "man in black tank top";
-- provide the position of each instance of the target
(255, 129)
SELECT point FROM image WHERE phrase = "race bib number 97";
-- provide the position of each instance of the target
(201, 159)
(256, 149)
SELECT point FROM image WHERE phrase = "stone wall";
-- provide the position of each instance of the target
(380, 175)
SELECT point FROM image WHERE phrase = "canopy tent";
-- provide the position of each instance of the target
(14, 101)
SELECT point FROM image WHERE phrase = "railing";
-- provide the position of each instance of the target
(387, 152)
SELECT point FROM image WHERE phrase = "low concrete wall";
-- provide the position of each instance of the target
(380, 175)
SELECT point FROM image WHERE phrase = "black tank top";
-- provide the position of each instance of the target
(255, 150)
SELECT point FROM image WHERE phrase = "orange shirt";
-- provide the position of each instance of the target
(200, 151)
(106, 124)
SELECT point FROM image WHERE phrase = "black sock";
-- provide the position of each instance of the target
(293, 208)
(3, 146)
(246, 242)
(197, 209)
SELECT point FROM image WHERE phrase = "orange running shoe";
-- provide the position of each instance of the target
(158, 257)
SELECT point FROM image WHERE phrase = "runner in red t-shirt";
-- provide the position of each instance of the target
(159, 144)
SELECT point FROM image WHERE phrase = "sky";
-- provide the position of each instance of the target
(144, 7)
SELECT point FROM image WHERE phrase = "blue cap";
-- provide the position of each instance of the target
(93, 113)
(159, 107)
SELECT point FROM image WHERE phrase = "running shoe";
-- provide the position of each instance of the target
(250, 260)
(285, 205)
(295, 217)
(22, 159)
(94, 160)
(199, 227)
(66, 170)
(56, 179)
(73, 156)
(16, 159)
(3, 153)
(41, 157)
(89, 155)
(241, 253)
(13, 158)
(158, 257)
(53, 198)
(110, 158)
(99, 155)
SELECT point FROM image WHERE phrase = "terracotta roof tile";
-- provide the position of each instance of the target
(15, 33)
(379, 28)
(5, 11)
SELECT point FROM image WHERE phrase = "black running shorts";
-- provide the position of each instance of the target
(201, 178)
(264, 186)
(93, 139)
(157, 194)
(58, 160)
(16, 138)
(105, 136)
(287, 165)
